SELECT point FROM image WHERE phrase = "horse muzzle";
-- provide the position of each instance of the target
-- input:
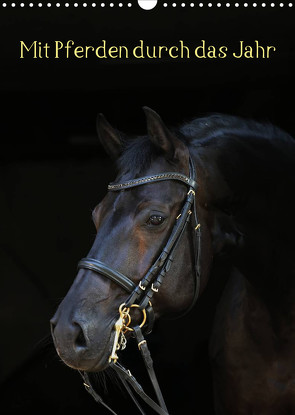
(81, 345)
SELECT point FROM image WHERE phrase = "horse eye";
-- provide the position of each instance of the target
(155, 220)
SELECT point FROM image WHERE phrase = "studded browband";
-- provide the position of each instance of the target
(154, 178)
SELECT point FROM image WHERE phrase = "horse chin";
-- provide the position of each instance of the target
(103, 361)
(91, 365)
(97, 366)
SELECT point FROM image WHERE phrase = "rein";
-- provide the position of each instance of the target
(140, 295)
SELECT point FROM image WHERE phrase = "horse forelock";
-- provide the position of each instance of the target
(136, 156)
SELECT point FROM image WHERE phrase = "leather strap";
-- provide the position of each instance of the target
(114, 275)
(125, 374)
(93, 393)
(128, 389)
(152, 179)
(128, 379)
(148, 361)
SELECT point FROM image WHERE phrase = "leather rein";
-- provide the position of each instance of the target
(140, 295)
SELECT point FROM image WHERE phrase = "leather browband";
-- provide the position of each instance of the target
(154, 178)
(114, 275)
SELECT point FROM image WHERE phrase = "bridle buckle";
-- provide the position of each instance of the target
(191, 191)
(154, 288)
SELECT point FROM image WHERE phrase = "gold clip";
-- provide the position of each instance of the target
(198, 226)
(191, 191)
(86, 385)
(121, 327)
(118, 328)
(178, 216)
(141, 286)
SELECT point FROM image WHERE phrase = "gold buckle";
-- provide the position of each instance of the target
(154, 289)
(141, 343)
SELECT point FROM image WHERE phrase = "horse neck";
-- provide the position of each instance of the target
(249, 192)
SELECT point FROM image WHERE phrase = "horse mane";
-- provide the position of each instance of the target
(221, 133)
(201, 131)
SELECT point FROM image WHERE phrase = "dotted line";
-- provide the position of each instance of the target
(166, 5)
(220, 5)
(67, 5)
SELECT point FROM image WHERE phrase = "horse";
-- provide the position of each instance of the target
(217, 189)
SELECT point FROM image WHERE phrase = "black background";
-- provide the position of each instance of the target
(53, 170)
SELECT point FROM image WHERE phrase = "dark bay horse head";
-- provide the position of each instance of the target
(133, 226)
(244, 201)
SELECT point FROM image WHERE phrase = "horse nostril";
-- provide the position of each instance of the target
(80, 340)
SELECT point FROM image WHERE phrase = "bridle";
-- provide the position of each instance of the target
(140, 295)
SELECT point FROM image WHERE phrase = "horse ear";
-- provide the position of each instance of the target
(109, 137)
(161, 137)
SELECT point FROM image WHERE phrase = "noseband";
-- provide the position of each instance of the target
(140, 295)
